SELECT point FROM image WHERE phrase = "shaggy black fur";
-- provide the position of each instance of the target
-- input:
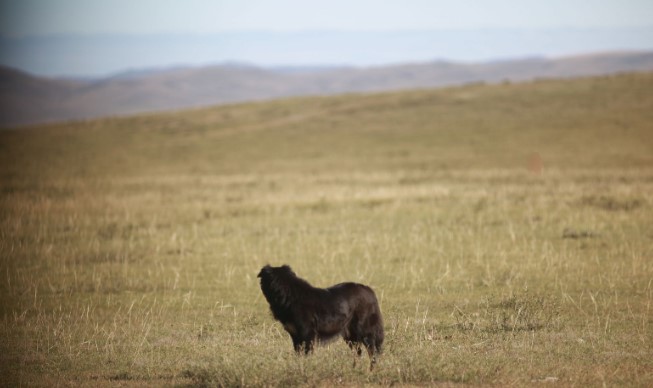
(311, 314)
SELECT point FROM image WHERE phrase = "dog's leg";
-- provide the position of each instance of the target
(298, 344)
(370, 345)
(303, 343)
(356, 347)
(310, 341)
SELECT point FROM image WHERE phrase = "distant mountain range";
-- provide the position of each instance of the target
(27, 99)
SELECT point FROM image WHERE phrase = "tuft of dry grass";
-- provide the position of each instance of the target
(129, 247)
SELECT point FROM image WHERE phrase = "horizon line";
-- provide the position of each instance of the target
(327, 66)
(317, 30)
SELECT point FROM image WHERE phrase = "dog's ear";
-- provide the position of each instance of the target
(264, 270)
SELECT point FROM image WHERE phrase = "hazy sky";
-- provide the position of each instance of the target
(97, 38)
(42, 17)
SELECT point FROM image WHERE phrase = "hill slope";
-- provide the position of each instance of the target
(573, 124)
(26, 100)
(130, 246)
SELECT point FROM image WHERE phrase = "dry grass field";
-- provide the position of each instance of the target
(507, 230)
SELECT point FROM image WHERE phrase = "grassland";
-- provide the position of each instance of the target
(507, 230)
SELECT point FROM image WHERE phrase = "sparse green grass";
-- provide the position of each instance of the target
(129, 248)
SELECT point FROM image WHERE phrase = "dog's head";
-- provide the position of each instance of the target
(276, 277)
(269, 272)
(277, 284)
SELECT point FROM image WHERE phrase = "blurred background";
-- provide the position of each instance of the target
(70, 59)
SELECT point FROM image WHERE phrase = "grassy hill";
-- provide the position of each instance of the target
(27, 100)
(505, 228)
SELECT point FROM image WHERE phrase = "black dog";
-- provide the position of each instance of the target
(311, 314)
